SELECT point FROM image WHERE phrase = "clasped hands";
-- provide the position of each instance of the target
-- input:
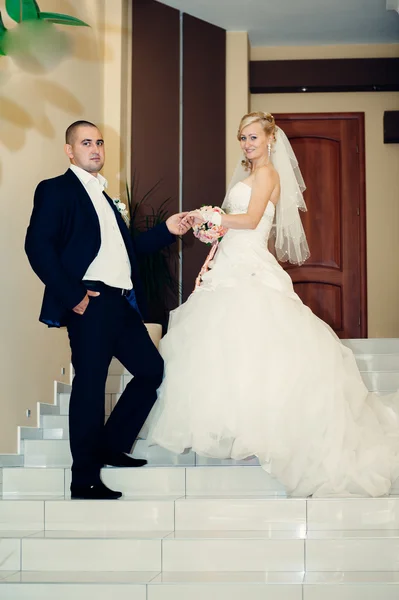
(180, 223)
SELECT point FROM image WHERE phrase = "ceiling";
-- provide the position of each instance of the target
(299, 22)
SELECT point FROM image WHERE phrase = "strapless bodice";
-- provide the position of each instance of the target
(237, 203)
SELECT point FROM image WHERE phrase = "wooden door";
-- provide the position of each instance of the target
(332, 282)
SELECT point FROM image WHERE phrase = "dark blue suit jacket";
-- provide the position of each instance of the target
(63, 238)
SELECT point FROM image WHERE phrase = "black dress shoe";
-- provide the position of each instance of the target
(120, 459)
(98, 491)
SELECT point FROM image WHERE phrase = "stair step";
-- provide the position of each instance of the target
(200, 551)
(156, 514)
(198, 481)
(47, 453)
(213, 515)
(344, 585)
(31, 433)
(226, 586)
(49, 409)
(54, 422)
(32, 585)
(352, 551)
(11, 460)
(378, 362)
(54, 433)
(381, 381)
(148, 481)
(106, 553)
(63, 403)
(181, 585)
(22, 481)
(56, 453)
(373, 345)
(240, 514)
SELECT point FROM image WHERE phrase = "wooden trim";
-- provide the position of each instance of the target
(155, 158)
(204, 130)
(359, 117)
(324, 75)
(391, 127)
(155, 101)
(363, 226)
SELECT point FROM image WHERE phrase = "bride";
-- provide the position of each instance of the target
(250, 370)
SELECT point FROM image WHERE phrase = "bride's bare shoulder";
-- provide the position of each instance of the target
(267, 174)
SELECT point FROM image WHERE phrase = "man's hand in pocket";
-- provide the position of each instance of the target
(81, 307)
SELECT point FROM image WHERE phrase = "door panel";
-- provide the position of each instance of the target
(332, 282)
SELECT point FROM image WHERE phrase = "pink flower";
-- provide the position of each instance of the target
(207, 232)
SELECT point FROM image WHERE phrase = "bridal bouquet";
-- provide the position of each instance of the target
(210, 231)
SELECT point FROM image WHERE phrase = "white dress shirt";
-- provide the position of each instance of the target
(111, 265)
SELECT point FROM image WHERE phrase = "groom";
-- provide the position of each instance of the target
(79, 246)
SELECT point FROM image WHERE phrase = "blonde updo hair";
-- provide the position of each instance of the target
(268, 125)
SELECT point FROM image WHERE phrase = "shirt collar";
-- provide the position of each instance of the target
(86, 177)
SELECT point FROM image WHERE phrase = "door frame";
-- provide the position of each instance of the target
(359, 117)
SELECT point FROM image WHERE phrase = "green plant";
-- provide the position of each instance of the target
(158, 271)
(28, 11)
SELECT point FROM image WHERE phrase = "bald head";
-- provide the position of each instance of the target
(85, 146)
(72, 129)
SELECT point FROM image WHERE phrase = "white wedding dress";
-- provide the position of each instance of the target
(250, 370)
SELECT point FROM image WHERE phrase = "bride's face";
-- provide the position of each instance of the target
(253, 141)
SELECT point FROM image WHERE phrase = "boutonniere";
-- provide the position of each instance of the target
(121, 207)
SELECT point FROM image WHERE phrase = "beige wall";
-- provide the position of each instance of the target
(117, 92)
(35, 109)
(237, 96)
(382, 172)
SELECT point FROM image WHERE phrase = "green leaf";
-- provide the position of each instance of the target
(23, 10)
(2, 26)
(3, 31)
(59, 19)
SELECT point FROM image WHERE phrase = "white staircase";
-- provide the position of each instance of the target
(189, 528)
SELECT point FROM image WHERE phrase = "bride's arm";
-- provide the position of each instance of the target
(264, 183)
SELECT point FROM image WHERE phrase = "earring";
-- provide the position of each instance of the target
(269, 149)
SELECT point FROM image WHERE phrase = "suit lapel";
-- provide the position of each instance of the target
(79, 190)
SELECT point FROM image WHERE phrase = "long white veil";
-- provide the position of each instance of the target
(290, 238)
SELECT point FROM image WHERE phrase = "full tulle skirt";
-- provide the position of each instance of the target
(251, 371)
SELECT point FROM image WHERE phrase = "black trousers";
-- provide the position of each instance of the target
(109, 327)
